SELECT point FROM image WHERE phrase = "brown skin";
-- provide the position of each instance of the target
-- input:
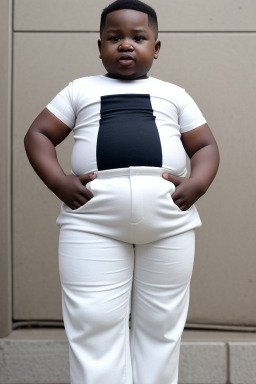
(128, 47)
(46, 132)
(202, 150)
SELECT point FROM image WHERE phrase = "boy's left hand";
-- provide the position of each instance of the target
(187, 191)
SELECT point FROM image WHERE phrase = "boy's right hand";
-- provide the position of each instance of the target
(72, 189)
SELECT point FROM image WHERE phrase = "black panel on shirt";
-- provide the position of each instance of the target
(128, 135)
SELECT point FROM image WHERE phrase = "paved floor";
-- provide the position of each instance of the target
(40, 356)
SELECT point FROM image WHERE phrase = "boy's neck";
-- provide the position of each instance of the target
(122, 78)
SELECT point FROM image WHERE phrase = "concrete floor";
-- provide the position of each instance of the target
(40, 356)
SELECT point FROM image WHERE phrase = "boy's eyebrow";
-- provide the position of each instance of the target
(113, 31)
(136, 30)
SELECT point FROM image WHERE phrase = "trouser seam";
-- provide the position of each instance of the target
(127, 331)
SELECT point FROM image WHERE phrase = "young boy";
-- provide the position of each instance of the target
(127, 220)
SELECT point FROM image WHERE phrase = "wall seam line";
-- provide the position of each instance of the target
(11, 159)
(165, 32)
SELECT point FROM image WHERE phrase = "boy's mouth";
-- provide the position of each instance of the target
(126, 60)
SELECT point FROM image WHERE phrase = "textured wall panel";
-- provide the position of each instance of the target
(218, 70)
(44, 64)
(175, 15)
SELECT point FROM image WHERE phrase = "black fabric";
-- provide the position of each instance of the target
(128, 135)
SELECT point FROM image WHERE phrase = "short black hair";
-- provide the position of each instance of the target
(137, 5)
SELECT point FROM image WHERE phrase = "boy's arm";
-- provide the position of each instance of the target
(202, 150)
(45, 133)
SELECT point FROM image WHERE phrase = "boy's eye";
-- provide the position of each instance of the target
(114, 38)
(139, 38)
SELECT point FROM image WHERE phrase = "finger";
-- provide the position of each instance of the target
(176, 180)
(78, 202)
(76, 205)
(86, 178)
(86, 193)
(73, 205)
(177, 195)
(178, 202)
(81, 201)
(181, 206)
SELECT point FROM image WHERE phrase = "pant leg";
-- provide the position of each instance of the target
(160, 304)
(96, 276)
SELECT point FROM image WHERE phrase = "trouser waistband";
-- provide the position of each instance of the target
(131, 171)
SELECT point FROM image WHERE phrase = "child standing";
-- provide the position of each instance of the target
(127, 220)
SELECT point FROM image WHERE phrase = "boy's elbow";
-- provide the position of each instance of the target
(27, 140)
(216, 153)
(30, 140)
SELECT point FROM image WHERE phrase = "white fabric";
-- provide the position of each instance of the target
(129, 237)
(97, 274)
(136, 208)
(78, 106)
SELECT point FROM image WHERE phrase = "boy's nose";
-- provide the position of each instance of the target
(126, 46)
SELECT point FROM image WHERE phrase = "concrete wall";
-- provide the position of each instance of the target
(207, 48)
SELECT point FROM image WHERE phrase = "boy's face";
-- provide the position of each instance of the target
(128, 45)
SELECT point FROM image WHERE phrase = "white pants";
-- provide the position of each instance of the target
(107, 275)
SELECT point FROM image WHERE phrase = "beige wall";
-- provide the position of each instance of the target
(207, 48)
(5, 167)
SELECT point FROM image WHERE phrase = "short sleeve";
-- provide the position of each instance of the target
(190, 116)
(62, 106)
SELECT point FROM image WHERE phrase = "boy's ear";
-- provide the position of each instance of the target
(157, 48)
(99, 46)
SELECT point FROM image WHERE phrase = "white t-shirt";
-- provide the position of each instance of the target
(122, 123)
